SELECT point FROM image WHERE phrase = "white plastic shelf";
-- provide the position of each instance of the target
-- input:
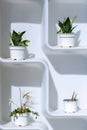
(62, 114)
(60, 50)
(32, 126)
(11, 61)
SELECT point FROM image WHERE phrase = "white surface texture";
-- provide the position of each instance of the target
(50, 72)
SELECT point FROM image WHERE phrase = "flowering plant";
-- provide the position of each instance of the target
(24, 105)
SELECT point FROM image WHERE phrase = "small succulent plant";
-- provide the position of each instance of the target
(17, 40)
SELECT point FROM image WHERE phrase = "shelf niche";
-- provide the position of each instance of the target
(57, 10)
(27, 76)
(68, 75)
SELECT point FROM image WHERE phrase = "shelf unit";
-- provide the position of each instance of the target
(52, 71)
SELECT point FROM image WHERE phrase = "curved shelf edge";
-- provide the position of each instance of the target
(34, 60)
(62, 114)
(72, 50)
(32, 126)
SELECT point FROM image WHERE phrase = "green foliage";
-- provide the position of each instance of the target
(17, 40)
(22, 111)
(24, 105)
(66, 25)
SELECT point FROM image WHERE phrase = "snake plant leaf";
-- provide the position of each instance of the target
(66, 25)
(21, 33)
(17, 39)
(25, 42)
(73, 19)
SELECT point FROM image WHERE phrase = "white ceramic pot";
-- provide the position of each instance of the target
(17, 52)
(70, 106)
(21, 120)
(66, 40)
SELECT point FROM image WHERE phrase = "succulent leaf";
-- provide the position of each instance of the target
(16, 38)
(66, 25)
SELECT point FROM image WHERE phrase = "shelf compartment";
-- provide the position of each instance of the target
(68, 74)
(55, 13)
(57, 50)
(14, 17)
(28, 75)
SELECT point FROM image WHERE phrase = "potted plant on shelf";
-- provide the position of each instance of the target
(20, 115)
(66, 37)
(18, 45)
(71, 105)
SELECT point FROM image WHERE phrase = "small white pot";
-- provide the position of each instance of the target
(70, 106)
(17, 52)
(21, 120)
(66, 40)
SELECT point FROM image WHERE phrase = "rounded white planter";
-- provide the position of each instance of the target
(21, 120)
(17, 52)
(66, 40)
(70, 106)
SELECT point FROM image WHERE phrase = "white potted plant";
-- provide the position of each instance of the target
(66, 37)
(20, 115)
(18, 46)
(71, 105)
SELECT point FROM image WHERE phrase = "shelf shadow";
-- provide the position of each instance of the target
(69, 64)
(68, 123)
(53, 96)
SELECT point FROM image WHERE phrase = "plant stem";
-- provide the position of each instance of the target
(10, 101)
(20, 98)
